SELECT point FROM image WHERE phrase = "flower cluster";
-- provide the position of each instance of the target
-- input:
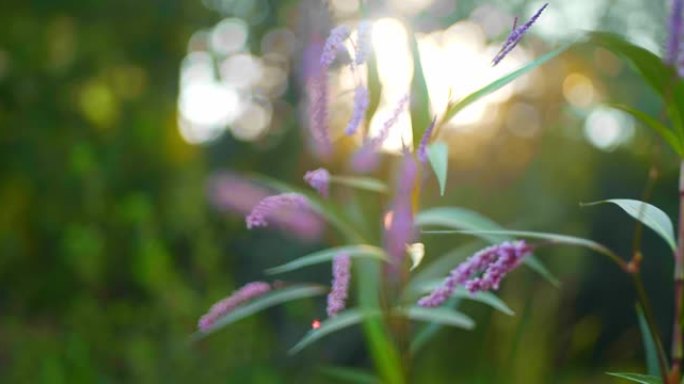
(481, 272)
(248, 292)
(340, 284)
(289, 211)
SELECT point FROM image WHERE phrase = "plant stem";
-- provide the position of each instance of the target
(678, 284)
(650, 321)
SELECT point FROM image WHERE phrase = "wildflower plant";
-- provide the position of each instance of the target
(375, 268)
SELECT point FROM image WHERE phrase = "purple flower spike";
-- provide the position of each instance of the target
(422, 148)
(222, 308)
(337, 36)
(482, 271)
(516, 35)
(319, 179)
(317, 94)
(366, 159)
(337, 297)
(363, 46)
(389, 123)
(674, 32)
(400, 230)
(272, 205)
(359, 112)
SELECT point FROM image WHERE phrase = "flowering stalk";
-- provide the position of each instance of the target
(516, 35)
(222, 308)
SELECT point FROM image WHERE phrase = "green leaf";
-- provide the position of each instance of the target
(360, 182)
(420, 97)
(487, 298)
(430, 330)
(438, 154)
(650, 215)
(268, 300)
(459, 218)
(490, 231)
(650, 348)
(336, 323)
(386, 357)
(655, 125)
(637, 377)
(503, 81)
(329, 254)
(551, 237)
(536, 265)
(661, 77)
(440, 315)
(351, 375)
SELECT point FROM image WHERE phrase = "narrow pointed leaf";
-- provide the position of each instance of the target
(661, 77)
(503, 81)
(536, 265)
(441, 315)
(361, 182)
(351, 375)
(420, 97)
(438, 155)
(327, 255)
(637, 377)
(341, 321)
(430, 330)
(650, 122)
(459, 218)
(268, 300)
(650, 215)
(551, 237)
(650, 348)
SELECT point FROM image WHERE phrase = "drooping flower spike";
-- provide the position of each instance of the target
(516, 35)
(366, 158)
(359, 112)
(481, 272)
(337, 298)
(319, 179)
(337, 36)
(317, 95)
(272, 206)
(222, 308)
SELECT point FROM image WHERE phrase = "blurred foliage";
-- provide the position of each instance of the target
(109, 251)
